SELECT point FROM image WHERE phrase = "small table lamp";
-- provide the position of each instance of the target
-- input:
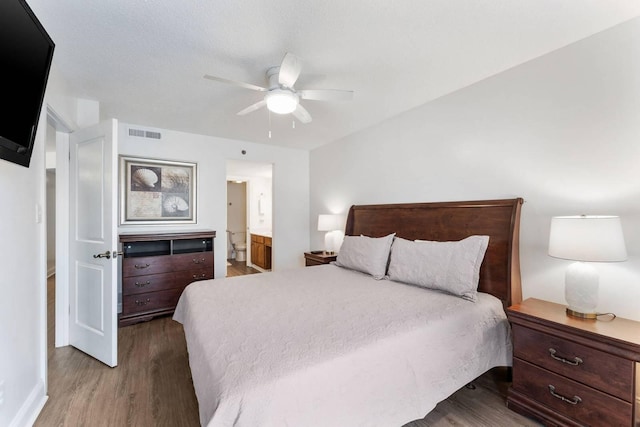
(590, 239)
(330, 223)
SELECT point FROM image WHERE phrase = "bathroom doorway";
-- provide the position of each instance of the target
(249, 217)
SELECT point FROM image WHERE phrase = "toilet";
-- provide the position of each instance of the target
(238, 241)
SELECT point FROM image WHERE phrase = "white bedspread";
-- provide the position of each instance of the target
(325, 346)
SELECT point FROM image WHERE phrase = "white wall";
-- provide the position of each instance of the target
(22, 277)
(260, 199)
(562, 131)
(290, 186)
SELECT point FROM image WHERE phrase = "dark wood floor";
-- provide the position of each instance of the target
(239, 268)
(151, 386)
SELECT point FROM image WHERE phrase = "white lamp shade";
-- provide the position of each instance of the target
(587, 238)
(330, 222)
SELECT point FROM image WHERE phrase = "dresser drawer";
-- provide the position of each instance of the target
(591, 407)
(603, 371)
(197, 260)
(149, 283)
(150, 301)
(183, 278)
(138, 266)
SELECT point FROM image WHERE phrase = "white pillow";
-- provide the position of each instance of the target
(452, 267)
(366, 254)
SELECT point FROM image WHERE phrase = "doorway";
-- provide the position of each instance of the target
(57, 217)
(249, 213)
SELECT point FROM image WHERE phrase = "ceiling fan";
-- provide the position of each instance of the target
(281, 97)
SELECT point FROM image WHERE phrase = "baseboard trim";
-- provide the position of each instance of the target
(31, 407)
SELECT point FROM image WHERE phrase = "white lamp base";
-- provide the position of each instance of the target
(581, 290)
(333, 241)
(328, 243)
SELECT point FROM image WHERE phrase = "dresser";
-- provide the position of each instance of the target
(156, 267)
(574, 372)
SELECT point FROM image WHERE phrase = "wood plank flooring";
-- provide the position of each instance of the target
(151, 386)
(239, 268)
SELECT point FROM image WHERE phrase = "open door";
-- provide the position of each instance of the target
(93, 217)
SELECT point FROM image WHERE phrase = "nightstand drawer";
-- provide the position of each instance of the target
(318, 258)
(584, 404)
(600, 370)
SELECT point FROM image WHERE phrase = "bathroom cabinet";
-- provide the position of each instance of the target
(156, 267)
(261, 251)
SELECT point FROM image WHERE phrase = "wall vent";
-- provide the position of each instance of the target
(154, 135)
(144, 133)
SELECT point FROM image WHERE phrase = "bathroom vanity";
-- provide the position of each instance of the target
(261, 250)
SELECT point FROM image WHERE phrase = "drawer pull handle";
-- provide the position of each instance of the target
(143, 302)
(141, 266)
(198, 261)
(142, 285)
(195, 276)
(575, 362)
(574, 401)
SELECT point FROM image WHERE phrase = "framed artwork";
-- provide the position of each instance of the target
(157, 191)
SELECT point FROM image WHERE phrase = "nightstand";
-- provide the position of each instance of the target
(318, 258)
(573, 372)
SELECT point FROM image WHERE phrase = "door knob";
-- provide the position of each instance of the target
(106, 254)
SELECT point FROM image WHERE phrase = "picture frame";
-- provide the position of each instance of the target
(154, 191)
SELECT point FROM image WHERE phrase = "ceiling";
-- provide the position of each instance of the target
(144, 60)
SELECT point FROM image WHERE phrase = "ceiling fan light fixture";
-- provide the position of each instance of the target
(281, 101)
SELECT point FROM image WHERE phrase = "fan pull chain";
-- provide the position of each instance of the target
(269, 112)
(293, 124)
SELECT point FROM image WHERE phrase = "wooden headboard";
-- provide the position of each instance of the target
(451, 221)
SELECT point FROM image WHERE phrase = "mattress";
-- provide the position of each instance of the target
(327, 346)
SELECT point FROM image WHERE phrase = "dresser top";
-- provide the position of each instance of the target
(130, 236)
(619, 329)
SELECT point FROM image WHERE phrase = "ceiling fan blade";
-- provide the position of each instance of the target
(233, 82)
(326, 94)
(302, 114)
(253, 107)
(289, 70)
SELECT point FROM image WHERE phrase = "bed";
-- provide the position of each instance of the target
(336, 346)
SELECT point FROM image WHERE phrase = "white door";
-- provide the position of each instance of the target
(93, 241)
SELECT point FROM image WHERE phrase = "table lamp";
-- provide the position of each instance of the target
(585, 239)
(333, 225)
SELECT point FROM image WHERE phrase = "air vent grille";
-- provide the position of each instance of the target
(154, 135)
(144, 133)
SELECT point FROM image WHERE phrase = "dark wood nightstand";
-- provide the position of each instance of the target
(573, 372)
(318, 258)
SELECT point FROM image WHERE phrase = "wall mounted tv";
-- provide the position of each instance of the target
(26, 51)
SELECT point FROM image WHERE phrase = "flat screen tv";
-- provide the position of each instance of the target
(26, 51)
